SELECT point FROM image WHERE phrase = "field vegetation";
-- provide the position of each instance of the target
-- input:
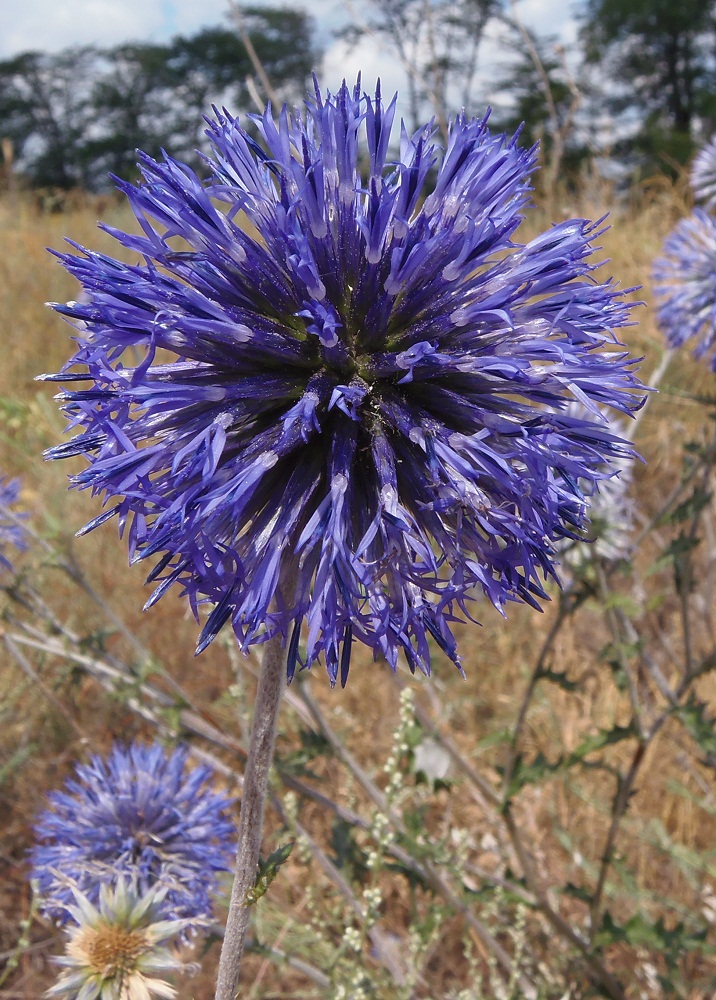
(544, 828)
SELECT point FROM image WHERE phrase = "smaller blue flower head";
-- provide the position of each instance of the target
(143, 814)
(11, 530)
(685, 285)
(703, 175)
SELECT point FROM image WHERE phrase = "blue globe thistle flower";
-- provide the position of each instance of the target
(11, 529)
(685, 285)
(334, 391)
(703, 175)
(140, 814)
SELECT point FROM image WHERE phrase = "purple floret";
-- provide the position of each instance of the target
(141, 813)
(334, 392)
(12, 533)
(685, 285)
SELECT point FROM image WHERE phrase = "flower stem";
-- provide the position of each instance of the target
(272, 681)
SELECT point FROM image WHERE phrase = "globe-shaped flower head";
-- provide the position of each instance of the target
(334, 390)
(685, 285)
(12, 533)
(141, 815)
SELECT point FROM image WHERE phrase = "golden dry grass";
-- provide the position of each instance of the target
(667, 839)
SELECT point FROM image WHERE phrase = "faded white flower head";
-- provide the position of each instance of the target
(117, 950)
(703, 175)
(612, 511)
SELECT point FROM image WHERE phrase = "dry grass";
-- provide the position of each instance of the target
(668, 835)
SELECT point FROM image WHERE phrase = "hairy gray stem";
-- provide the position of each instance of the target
(272, 681)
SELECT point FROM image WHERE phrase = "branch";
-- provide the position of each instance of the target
(238, 18)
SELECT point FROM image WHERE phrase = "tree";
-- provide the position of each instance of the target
(77, 116)
(437, 43)
(140, 102)
(216, 60)
(45, 103)
(658, 59)
(543, 101)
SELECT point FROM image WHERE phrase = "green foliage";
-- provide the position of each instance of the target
(347, 855)
(534, 771)
(559, 678)
(268, 870)
(690, 506)
(77, 115)
(694, 714)
(16, 762)
(528, 87)
(640, 931)
(657, 57)
(313, 746)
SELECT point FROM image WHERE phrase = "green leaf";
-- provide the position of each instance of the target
(577, 892)
(268, 870)
(347, 855)
(16, 762)
(530, 773)
(688, 508)
(679, 552)
(560, 679)
(601, 739)
(624, 602)
(700, 726)
(641, 932)
(609, 933)
(313, 746)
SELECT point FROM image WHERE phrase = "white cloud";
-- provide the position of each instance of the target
(367, 57)
(548, 17)
(49, 25)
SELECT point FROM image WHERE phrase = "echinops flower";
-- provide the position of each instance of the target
(703, 175)
(333, 392)
(11, 529)
(140, 814)
(116, 951)
(685, 285)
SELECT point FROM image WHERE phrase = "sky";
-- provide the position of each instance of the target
(51, 25)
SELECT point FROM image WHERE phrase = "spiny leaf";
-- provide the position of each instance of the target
(560, 679)
(688, 508)
(642, 932)
(601, 739)
(268, 870)
(577, 892)
(700, 726)
(347, 855)
(313, 746)
(530, 773)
